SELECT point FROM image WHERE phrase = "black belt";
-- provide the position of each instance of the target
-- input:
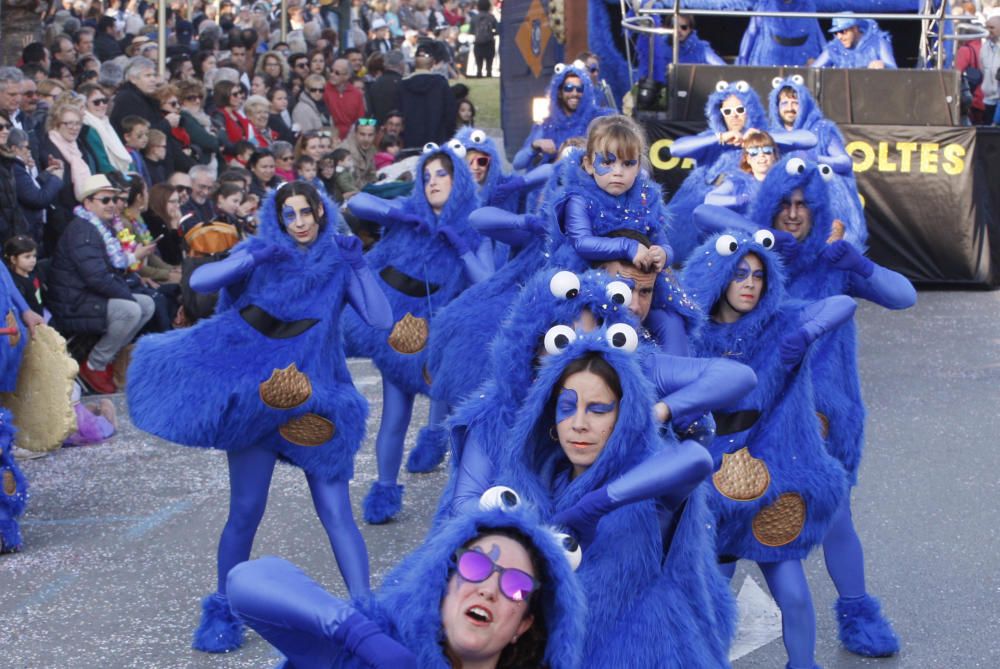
(406, 284)
(790, 41)
(738, 421)
(273, 327)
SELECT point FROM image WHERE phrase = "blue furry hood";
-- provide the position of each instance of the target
(558, 126)
(474, 139)
(707, 275)
(756, 116)
(789, 174)
(515, 349)
(534, 458)
(809, 112)
(865, 50)
(463, 198)
(411, 596)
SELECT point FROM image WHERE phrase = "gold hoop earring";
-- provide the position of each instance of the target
(552, 434)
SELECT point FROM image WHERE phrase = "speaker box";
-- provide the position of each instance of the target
(890, 97)
(691, 85)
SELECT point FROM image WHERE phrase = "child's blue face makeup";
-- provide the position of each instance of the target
(613, 174)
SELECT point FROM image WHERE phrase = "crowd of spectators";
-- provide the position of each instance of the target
(117, 182)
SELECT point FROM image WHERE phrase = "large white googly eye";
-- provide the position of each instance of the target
(726, 245)
(570, 547)
(825, 171)
(798, 80)
(580, 65)
(776, 82)
(619, 293)
(623, 337)
(795, 166)
(721, 86)
(559, 68)
(558, 338)
(564, 285)
(765, 238)
(742, 86)
(499, 497)
(457, 147)
(431, 146)
(477, 136)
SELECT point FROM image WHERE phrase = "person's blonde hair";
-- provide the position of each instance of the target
(256, 102)
(618, 131)
(755, 139)
(68, 101)
(270, 55)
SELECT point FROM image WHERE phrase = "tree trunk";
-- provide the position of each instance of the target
(20, 24)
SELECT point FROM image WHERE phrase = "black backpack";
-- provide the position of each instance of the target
(484, 28)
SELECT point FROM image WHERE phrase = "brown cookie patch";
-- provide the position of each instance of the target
(742, 477)
(409, 334)
(824, 424)
(308, 430)
(286, 388)
(782, 522)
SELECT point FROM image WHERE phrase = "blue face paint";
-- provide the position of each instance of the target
(566, 404)
(604, 163)
(494, 553)
(440, 173)
(287, 215)
(597, 407)
(743, 271)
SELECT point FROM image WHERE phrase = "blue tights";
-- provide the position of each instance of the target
(250, 473)
(397, 410)
(843, 554)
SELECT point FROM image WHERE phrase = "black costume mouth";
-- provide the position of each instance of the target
(406, 284)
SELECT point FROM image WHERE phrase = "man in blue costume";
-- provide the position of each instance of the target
(775, 40)
(692, 50)
(857, 43)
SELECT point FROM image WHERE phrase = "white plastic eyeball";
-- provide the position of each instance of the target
(619, 293)
(623, 337)
(798, 80)
(499, 497)
(825, 171)
(565, 285)
(580, 65)
(795, 166)
(559, 68)
(477, 136)
(726, 245)
(765, 238)
(721, 85)
(431, 146)
(742, 86)
(457, 147)
(571, 549)
(558, 338)
(776, 82)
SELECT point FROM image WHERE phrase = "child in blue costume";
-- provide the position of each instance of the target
(790, 100)
(265, 378)
(866, 47)
(738, 188)
(431, 612)
(428, 255)
(776, 514)
(587, 451)
(692, 49)
(571, 109)
(819, 269)
(774, 40)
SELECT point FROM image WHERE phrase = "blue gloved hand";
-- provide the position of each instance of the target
(351, 250)
(535, 222)
(793, 347)
(843, 255)
(365, 640)
(416, 222)
(786, 245)
(452, 236)
(267, 253)
(581, 519)
(506, 189)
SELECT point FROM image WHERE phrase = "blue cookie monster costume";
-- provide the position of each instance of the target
(423, 261)
(829, 150)
(265, 378)
(819, 270)
(656, 598)
(692, 50)
(771, 40)
(873, 44)
(560, 126)
(400, 626)
(776, 514)
(15, 334)
(13, 484)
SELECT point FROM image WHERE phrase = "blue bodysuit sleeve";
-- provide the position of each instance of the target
(824, 315)
(835, 155)
(884, 287)
(473, 476)
(537, 177)
(588, 245)
(710, 219)
(692, 386)
(667, 328)
(367, 298)
(212, 276)
(524, 156)
(794, 140)
(823, 59)
(711, 57)
(694, 146)
(502, 225)
(725, 195)
(885, 54)
(478, 265)
(379, 210)
(748, 40)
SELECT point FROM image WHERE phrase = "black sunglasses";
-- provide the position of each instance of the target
(315, 90)
(481, 161)
(5, 126)
(107, 199)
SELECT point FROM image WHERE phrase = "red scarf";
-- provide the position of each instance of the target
(237, 126)
(182, 136)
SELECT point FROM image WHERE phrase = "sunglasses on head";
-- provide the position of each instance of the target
(729, 111)
(475, 567)
(367, 121)
(572, 88)
(757, 150)
(481, 161)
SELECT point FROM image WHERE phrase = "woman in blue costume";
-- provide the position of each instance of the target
(571, 109)
(775, 40)
(738, 188)
(819, 269)
(777, 489)
(266, 378)
(692, 49)
(428, 255)
(587, 451)
(442, 607)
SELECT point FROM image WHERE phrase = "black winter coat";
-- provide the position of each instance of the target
(12, 221)
(81, 280)
(382, 95)
(429, 107)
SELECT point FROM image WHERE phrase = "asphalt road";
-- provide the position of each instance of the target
(120, 538)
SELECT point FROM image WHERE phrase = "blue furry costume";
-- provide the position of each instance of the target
(776, 515)
(771, 40)
(830, 150)
(654, 594)
(265, 378)
(275, 598)
(692, 50)
(560, 126)
(424, 261)
(819, 270)
(13, 484)
(873, 44)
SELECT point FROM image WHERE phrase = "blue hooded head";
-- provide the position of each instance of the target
(477, 140)
(809, 112)
(463, 198)
(787, 176)
(560, 126)
(410, 600)
(756, 116)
